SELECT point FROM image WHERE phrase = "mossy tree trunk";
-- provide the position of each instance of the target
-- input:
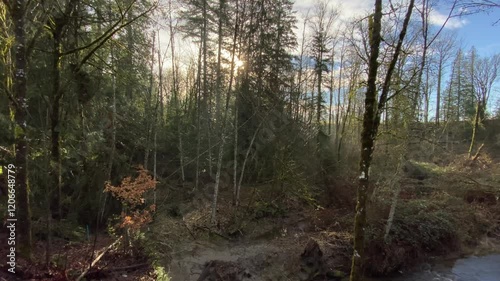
(371, 122)
(367, 142)
(17, 11)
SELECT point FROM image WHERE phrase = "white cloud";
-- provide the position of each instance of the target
(437, 18)
(348, 9)
(354, 8)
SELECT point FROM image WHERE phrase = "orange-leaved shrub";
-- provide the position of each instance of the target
(131, 194)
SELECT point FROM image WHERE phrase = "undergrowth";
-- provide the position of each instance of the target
(447, 211)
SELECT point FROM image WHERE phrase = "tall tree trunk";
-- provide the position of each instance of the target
(396, 187)
(113, 122)
(225, 120)
(300, 71)
(339, 87)
(218, 74)
(235, 154)
(198, 118)
(175, 88)
(448, 114)
(371, 122)
(55, 126)
(341, 131)
(459, 87)
(319, 97)
(59, 23)
(161, 117)
(147, 107)
(160, 85)
(247, 154)
(424, 13)
(367, 142)
(130, 58)
(17, 10)
(426, 96)
(112, 141)
(331, 93)
(206, 94)
(438, 91)
(477, 118)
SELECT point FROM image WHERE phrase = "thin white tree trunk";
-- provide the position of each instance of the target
(224, 122)
(198, 121)
(147, 109)
(235, 164)
(217, 179)
(176, 92)
(331, 94)
(181, 154)
(244, 164)
(113, 136)
(397, 189)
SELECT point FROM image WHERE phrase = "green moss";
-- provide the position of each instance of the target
(432, 168)
(18, 131)
(336, 274)
(161, 274)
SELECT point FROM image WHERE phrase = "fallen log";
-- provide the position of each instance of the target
(116, 269)
(85, 272)
(477, 153)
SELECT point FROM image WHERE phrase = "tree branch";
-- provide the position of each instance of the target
(392, 65)
(98, 258)
(106, 38)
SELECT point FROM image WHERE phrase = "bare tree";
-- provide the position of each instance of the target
(479, 6)
(371, 122)
(444, 50)
(225, 115)
(484, 75)
(428, 39)
(321, 24)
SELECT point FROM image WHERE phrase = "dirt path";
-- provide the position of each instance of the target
(256, 261)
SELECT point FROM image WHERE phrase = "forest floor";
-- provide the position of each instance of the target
(444, 209)
(70, 259)
(266, 249)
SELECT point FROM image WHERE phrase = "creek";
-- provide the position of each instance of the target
(474, 268)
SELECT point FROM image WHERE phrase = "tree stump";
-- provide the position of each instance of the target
(311, 261)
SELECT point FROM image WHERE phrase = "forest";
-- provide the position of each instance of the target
(245, 140)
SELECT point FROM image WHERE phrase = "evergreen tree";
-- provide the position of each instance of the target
(459, 100)
(322, 26)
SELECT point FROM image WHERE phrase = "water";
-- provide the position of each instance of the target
(269, 262)
(484, 268)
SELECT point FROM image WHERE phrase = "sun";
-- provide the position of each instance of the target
(228, 57)
(238, 63)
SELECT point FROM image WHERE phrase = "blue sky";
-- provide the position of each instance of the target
(479, 31)
(472, 30)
